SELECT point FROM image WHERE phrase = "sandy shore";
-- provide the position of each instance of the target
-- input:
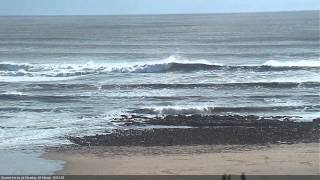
(211, 145)
(295, 159)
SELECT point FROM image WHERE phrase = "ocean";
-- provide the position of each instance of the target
(66, 76)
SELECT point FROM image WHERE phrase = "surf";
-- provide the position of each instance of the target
(11, 71)
(207, 110)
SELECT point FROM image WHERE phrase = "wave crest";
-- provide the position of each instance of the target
(301, 63)
(175, 110)
(171, 64)
(207, 110)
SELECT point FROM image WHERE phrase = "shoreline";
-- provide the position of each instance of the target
(209, 145)
(283, 159)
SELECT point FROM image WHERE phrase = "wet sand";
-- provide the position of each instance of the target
(295, 159)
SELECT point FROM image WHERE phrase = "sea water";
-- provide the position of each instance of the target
(71, 75)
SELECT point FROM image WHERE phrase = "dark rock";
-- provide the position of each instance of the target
(317, 120)
(214, 129)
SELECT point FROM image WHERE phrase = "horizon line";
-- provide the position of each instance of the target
(154, 14)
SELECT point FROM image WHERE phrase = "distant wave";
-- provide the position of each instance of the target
(216, 85)
(43, 98)
(244, 85)
(17, 109)
(171, 64)
(40, 110)
(66, 70)
(212, 110)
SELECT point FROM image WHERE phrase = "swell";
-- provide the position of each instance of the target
(42, 110)
(244, 85)
(217, 85)
(82, 98)
(60, 86)
(37, 110)
(48, 98)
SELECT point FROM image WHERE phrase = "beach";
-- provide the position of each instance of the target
(297, 159)
(211, 145)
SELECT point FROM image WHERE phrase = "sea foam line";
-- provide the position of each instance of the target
(188, 110)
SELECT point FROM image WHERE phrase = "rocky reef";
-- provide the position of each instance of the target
(204, 130)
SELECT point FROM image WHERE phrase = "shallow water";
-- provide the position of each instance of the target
(70, 75)
(27, 163)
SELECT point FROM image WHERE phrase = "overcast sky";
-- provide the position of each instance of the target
(100, 7)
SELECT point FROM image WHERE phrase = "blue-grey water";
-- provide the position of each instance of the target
(70, 75)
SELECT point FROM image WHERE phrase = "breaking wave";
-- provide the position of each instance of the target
(171, 64)
(302, 63)
(175, 110)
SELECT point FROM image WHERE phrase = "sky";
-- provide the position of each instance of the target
(105, 7)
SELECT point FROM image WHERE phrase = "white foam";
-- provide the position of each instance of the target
(14, 93)
(174, 110)
(52, 72)
(179, 59)
(13, 72)
(301, 63)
